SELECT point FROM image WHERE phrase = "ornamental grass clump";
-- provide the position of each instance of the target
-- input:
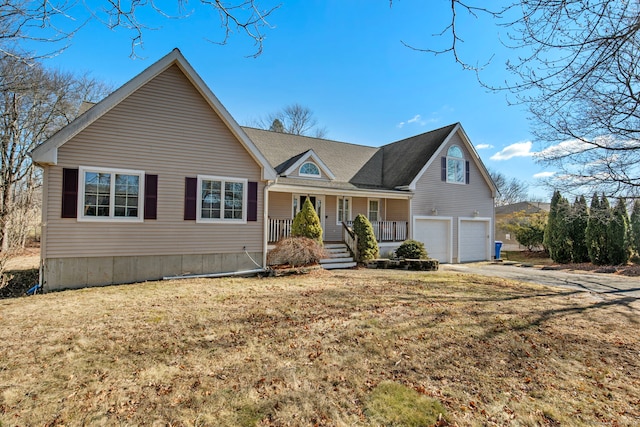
(412, 249)
(367, 243)
(296, 252)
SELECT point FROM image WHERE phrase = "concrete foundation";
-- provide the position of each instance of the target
(80, 272)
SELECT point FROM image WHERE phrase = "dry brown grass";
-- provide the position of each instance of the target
(310, 350)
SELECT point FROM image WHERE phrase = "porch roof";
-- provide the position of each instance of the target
(336, 188)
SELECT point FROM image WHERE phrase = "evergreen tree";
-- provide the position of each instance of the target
(635, 228)
(307, 223)
(556, 234)
(618, 246)
(367, 243)
(549, 229)
(577, 230)
(276, 126)
(596, 234)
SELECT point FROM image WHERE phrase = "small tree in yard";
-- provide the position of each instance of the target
(596, 234)
(635, 228)
(307, 223)
(527, 228)
(367, 243)
(556, 234)
(531, 234)
(577, 230)
(412, 249)
(618, 234)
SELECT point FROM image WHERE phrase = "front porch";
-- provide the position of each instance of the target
(385, 231)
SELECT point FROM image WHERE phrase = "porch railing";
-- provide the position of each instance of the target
(279, 229)
(350, 239)
(388, 231)
(385, 231)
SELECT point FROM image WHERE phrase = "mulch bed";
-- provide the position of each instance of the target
(632, 270)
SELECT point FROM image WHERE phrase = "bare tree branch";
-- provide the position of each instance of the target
(51, 22)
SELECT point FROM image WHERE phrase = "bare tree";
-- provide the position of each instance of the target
(295, 119)
(34, 104)
(576, 65)
(59, 20)
(509, 190)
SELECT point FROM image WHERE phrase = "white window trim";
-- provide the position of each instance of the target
(369, 207)
(310, 175)
(111, 218)
(338, 222)
(460, 159)
(223, 180)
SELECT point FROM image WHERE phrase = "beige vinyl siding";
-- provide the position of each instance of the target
(165, 128)
(453, 200)
(359, 206)
(280, 205)
(396, 209)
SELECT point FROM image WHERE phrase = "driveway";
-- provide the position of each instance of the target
(607, 284)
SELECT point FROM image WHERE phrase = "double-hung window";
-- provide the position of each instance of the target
(344, 209)
(374, 210)
(110, 194)
(221, 199)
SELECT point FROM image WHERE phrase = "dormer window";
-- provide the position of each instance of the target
(455, 165)
(310, 169)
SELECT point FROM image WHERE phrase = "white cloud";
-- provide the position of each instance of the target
(483, 146)
(415, 119)
(544, 174)
(419, 120)
(565, 148)
(519, 149)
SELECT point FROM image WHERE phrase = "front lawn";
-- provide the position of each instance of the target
(322, 349)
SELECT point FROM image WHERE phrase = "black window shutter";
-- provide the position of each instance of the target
(443, 168)
(252, 201)
(466, 172)
(69, 193)
(190, 194)
(150, 196)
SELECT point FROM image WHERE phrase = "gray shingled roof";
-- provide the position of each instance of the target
(354, 166)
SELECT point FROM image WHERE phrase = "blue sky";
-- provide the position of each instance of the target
(345, 61)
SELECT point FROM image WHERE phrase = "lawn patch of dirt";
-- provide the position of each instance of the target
(23, 272)
(314, 349)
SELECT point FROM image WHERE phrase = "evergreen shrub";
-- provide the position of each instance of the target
(367, 243)
(412, 249)
(307, 223)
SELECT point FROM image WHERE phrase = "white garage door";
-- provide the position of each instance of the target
(474, 241)
(436, 236)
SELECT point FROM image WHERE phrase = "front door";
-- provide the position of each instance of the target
(316, 201)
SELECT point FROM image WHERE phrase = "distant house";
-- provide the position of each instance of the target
(158, 180)
(506, 212)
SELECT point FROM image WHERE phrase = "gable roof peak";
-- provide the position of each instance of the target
(47, 152)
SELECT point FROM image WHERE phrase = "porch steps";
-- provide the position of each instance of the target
(339, 257)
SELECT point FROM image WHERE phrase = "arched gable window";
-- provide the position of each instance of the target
(455, 168)
(309, 169)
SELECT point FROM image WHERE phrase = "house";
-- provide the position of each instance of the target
(507, 212)
(159, 180)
